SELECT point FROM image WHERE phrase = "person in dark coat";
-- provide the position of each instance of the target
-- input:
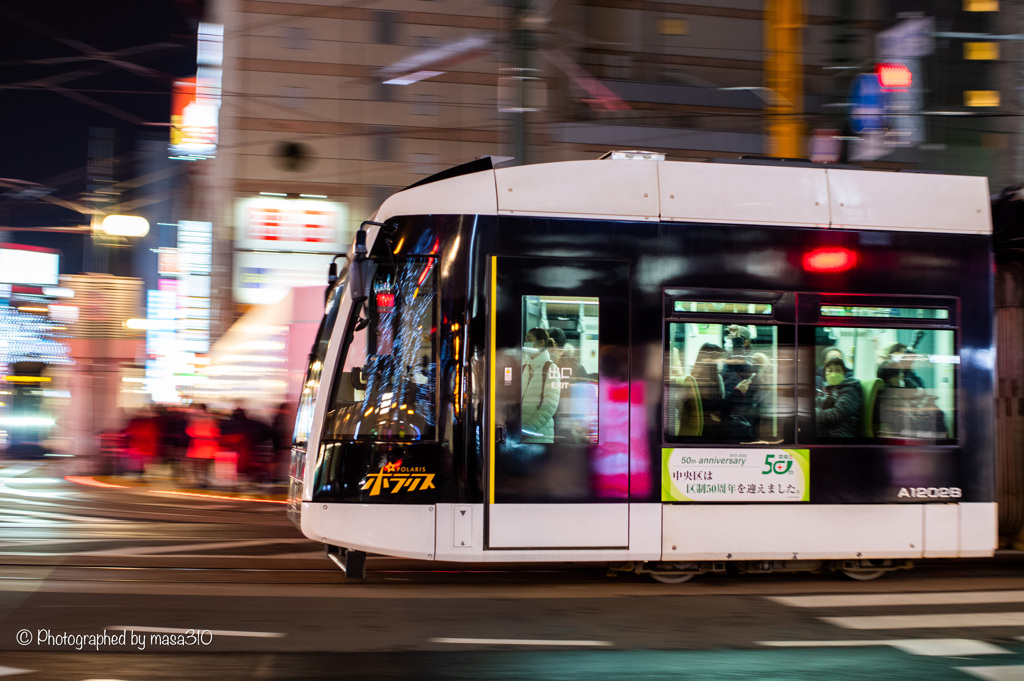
(838, 404)
(564, 355)
(252, 441)
(283, 426)
(719, 401)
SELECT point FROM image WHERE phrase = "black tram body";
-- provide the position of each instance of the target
(413, 438)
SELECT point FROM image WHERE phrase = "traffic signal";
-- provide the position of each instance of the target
(894, 76)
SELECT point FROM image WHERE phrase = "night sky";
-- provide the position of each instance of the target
(68, 66)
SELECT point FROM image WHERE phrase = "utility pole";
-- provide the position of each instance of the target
(522, 46)
(783, 77)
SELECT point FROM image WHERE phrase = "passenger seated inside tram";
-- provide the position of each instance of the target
(823, 356)
(904, 357)
(741, 407)
(905, 410)
(838, 403)
(737, 340)
(717, 403)
(763, 394)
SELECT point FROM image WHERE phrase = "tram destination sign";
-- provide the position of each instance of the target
(764, 475)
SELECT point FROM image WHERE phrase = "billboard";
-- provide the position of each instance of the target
(283, 243)
(28, 265)
(269, 223)
(195, 102)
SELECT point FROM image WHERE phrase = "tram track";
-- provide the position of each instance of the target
(498, 581)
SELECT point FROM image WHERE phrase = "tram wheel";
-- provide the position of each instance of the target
(672, 577)
(864, 575)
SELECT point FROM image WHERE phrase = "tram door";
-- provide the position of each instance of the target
(559, 407)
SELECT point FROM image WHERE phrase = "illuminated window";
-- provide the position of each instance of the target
(988, 98)
(721, 308)
(560, 373)
(672, 26)
(722, 383)
(890, 312)
(981, 51)
(981, 5)
(887, 383)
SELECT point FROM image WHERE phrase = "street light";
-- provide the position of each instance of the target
(125, 225)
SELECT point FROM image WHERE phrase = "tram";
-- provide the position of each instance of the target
(27, 418)
(681, 322)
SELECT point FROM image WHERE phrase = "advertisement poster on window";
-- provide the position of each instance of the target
(760, 475)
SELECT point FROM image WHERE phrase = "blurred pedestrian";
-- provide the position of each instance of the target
(283, 426)
(173, 439)
(252, 441)
(203, 433)
(143, 439)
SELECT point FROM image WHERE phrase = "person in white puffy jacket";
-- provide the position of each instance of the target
(540, 388)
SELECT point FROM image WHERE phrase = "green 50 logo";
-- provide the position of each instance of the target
(779, 466)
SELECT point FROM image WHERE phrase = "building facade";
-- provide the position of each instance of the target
(347, 104)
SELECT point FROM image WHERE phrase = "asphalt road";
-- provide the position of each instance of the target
(115, 583)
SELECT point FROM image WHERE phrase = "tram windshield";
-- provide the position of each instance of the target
(311, 388)
(386, 389)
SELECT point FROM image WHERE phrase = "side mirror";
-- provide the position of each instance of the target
(359, 278)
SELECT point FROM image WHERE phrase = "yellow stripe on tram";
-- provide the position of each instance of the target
(494, 376)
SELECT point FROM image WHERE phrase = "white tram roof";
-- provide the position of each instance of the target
(735, 193)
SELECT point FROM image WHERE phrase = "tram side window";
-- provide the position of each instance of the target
(311, 387)
(386, 387)
(559, 386)
(722, 383)
(885, 383)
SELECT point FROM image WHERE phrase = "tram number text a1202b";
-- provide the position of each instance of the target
(929, 493)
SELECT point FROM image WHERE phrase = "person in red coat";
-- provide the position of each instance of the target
(204, 433)
(143, 438)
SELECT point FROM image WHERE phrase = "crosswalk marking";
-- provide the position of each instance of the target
(932, 647)
(520, 642)
(933, 621)
(869, 600)
(214, 632)
(1007, 673)
(15, 470)
(20, 516)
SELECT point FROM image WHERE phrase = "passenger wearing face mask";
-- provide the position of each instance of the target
(838, 404)
(541, 381)
(823, 356)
